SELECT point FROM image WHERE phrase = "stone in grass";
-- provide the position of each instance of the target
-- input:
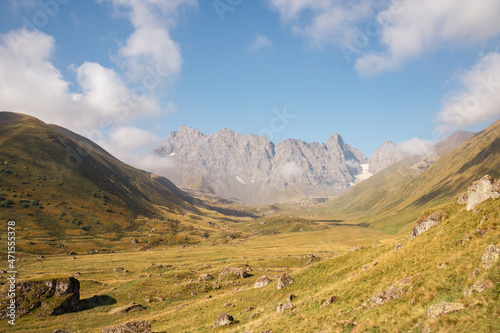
(130, 327)
(491, 256)
(223, 319)
(126, 308)
(205, 277)
(262, 281)
(443, 308)
(328, 301)
(479, 287)
(398, 247)
(282, 307)
(284, 280)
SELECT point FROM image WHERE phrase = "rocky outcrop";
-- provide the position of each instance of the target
(284, 280)
(262, 282)
(443, 308)
(479, 287)
(393, 292)
(223, 319)
(480, 191)
(205, 277)
(252, 169)
(328, 301)
(424, 223)
(491, 256)
(44, 297)
(385, 156)
(283, 307)
(130, 327)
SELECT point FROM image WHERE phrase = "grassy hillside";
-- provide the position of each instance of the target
(438, 263)
(393, 198)
(66, 192)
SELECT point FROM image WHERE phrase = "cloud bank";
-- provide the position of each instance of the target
(477, 101)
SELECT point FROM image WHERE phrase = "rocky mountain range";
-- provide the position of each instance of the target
(252, 169)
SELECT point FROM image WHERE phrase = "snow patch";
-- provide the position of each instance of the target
(365, 174)
(240, 180)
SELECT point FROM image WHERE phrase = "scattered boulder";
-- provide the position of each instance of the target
(398, 247)
(480, 191)
(130, 327)
(120, 269)
(284, 280)
(126, 308)
(254, 315)
(249, 308)
(223, 319)
(393, 292)
(290, 297)
(205, 277)
(425, 223)
(474, 273)
(443, 308)
(48, 297)
(328, 301)
(229, 305)
(491, 256)
(262, 281)
(134, 241)
(60, 331)
(355, 248)
(479, 287)
(282, 307)
(235, 272)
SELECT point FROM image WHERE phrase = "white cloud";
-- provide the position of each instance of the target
(405, 28)
(290, 170)
(259, 43)
(150, 47)
(324, 21)
(479, 99)
(412, 27)
(31, 84)
(416, 147)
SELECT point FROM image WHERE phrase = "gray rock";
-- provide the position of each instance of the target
(130, 327)
(284, 280)
(491, 256)
(398, 247)
(50, 297)
(395, 291)
(233, 272)
(480, 191)
(283, 307)
(328, 301)
(205, 277)
(479, 287)
(223, 319)
(443, 308)
(262, 281)
(425, 223)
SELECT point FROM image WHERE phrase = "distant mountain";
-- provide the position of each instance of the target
(385, 155)
(395, 196)
(252, 169)
(58, 184)
(389, 153)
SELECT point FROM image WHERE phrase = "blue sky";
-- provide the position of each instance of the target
(127, 72)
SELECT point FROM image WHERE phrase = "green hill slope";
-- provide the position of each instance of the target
(59, 185)
(395, 197)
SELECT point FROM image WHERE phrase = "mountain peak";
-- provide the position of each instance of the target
(335, 139)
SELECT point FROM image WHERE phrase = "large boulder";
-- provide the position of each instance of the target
(262, 282)
(491, 255)
(223, 319)
(443, 308)
(49, 297)
(284, 280)
(480, 191)
(424, 223)
(130, 327)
